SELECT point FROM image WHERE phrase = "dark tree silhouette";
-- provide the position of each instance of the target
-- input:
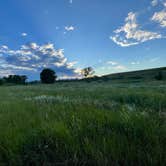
(87, 72)
(15, 79)
(48, 76)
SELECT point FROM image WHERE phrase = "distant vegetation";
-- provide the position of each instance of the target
(14, 79)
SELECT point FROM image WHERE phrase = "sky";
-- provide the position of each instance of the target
(68, 35)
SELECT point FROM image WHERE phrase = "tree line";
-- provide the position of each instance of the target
(14, 79)
(47, 76)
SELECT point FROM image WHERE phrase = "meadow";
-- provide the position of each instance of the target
(83, 123)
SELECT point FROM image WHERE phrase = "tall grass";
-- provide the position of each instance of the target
(83, 124)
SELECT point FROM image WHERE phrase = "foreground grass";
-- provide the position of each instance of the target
(83, 124)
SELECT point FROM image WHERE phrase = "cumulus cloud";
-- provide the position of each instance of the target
(32, 58)
(160, 17)
(131, 33)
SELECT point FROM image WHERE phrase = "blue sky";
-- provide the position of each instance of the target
(68, 35)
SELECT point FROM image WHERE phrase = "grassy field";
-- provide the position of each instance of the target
(97, 123)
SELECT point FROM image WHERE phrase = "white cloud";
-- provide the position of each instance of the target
(69, 28)
(71, 64)
(132, 34)
(121, 42)
(24, 34)
(4, 47)
(160, 17)
(32, 58)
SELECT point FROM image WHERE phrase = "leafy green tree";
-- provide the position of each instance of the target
(48, 76)
(87, 72)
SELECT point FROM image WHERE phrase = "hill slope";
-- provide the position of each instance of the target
(141, 75)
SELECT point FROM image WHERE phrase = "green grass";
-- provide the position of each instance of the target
(83, 124)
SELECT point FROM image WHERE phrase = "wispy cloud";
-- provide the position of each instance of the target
(32, 58)
(131, 33)
(113, 67)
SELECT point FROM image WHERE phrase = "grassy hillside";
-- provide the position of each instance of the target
(83, 124)
(138, 76)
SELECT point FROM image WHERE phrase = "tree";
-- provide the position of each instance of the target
(87, 72)
(48, 76)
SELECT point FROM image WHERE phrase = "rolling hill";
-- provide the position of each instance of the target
(140, 75)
